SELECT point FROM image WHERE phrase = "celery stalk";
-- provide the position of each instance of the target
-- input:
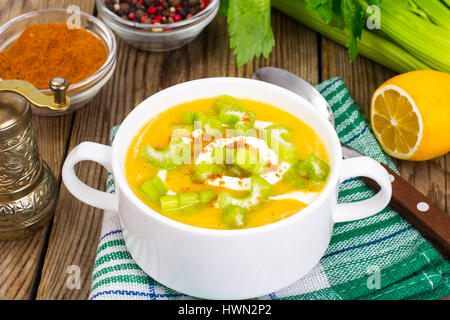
(371, 45)
(436, 11)
(234, 217)
(428, 42)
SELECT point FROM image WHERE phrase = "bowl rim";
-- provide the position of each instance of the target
(124, 188)
(137, 26)
(92, 79)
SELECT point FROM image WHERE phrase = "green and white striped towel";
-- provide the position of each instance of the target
(381, 257)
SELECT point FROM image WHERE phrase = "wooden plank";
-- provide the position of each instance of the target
(21, 259)
(139, 74)
(362, 76)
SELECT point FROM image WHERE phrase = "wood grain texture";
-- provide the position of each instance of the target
(20, 260)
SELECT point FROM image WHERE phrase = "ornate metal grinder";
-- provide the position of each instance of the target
(28, 189)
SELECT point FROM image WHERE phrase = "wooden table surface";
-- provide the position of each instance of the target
(36, 268)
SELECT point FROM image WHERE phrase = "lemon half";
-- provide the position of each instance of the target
(410, 115)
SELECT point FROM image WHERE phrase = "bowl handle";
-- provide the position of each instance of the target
(364, 167)
(93, 152)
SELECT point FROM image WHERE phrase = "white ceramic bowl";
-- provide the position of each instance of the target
(226, 264)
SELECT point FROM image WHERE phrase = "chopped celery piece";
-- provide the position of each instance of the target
(259, 192)
(318, 169)
(250, 161)
(189, 199)
(237, 117)
(226, 100)
(296, 176)
(163, 159)
(188, 117)
(169, 202)
(207, 196)
(232, 112)
(234, 217)
(173, 155)
(205, 170)
(209, 123)
(158, 184)
(186, 201)
(153, 189)
(310, 169)
(277, 138)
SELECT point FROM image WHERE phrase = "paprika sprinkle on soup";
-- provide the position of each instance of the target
(46, 51)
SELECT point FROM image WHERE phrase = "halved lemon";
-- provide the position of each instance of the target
(410, 115)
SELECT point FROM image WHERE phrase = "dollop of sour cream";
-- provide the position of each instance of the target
(264, 152)
(236, 183)
(277, 170)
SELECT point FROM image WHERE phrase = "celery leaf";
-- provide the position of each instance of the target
(323, 7)
(352, 14)
(347, 15)
(249, 28)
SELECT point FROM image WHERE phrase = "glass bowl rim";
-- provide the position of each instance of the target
(137, 26)
(92, 79)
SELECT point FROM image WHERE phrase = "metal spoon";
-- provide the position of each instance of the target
(297, 85)
(294, 83)
(428, 218)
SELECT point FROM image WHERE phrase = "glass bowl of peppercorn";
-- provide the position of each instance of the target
(40, 45)
(157, 25)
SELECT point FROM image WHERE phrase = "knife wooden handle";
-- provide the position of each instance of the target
(417, 209)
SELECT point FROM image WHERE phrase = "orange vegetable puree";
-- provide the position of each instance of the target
(157, 133)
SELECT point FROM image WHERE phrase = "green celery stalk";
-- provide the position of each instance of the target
(371, 45)
(436, 11)
(409, 5)
(234, 217)
(426, 41)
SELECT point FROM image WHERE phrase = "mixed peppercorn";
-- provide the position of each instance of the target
(156, 11)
